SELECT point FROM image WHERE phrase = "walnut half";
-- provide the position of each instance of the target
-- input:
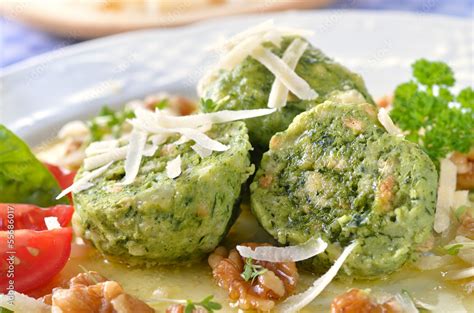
(277, 282)
(92, 293)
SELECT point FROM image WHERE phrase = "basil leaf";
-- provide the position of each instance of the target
(24, 179)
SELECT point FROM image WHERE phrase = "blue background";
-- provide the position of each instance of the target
(19, 42)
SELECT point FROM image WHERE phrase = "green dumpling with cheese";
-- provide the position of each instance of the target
(179, 206)
(256, 82)
(338, 174)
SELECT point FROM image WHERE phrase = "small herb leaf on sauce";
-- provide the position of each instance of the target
(453, 249)
(430, 114)
(23, 179)
(251, 270)
(5, 310)
(207, 304)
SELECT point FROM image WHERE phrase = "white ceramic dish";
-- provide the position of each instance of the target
(41, 94)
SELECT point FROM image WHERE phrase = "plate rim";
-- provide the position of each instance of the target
(67, 51)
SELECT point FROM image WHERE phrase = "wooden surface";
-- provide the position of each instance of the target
(76, 20)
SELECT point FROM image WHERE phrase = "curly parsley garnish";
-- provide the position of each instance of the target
(251, 270)
(430, 114)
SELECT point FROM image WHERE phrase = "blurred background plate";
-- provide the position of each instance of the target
(41, 94)
(94, 18)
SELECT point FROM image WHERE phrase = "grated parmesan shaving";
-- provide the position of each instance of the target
(446, 191)
(238, 53)
(282, 72)
(134, 156)
(99, 160)
(173, 167)
(99, 147)
(299, 301)
(406, 303)
(202, 121)
(52, 222)
(202, 152)
(84, 182)
(279, 93)
(296, 253)
(23, 303)
(260, 30)
(387, 122)
(460, 274)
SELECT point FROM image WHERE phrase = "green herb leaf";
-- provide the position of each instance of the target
(459, 212)
(109, 122)
(432, 120)
(453, 249)
(207, 105)
(5, 310)
(189, 307)
(252, 271)
(206, 303)
(162, 104)
(466, 98)
(433, 73)
(23, 178)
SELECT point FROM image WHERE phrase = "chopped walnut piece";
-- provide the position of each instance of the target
(359, 301)
(276, 283)
(91, 292)
(385, 193)
(465, 168)
(466, 227)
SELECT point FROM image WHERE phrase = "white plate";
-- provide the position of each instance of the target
(39, 95)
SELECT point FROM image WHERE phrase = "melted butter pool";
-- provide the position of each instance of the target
(195, 281)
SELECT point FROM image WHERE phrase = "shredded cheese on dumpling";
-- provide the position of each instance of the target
(204, 119)
(279, 93)
(306, 250)
(136, 147)
(283, 73)
(99, 147)
(299, 301)
(446, 191)
(99, 160)
(84, 182)
(387, 122)
(202, 152)
(241, 51)
(260, 30)
(173, 167)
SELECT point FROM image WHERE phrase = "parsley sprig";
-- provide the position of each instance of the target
(207, 304)
(252, 270)
(430, 114)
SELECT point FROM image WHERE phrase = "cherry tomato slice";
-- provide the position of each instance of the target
(32, 258)
(64, 177)
(28, 216)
